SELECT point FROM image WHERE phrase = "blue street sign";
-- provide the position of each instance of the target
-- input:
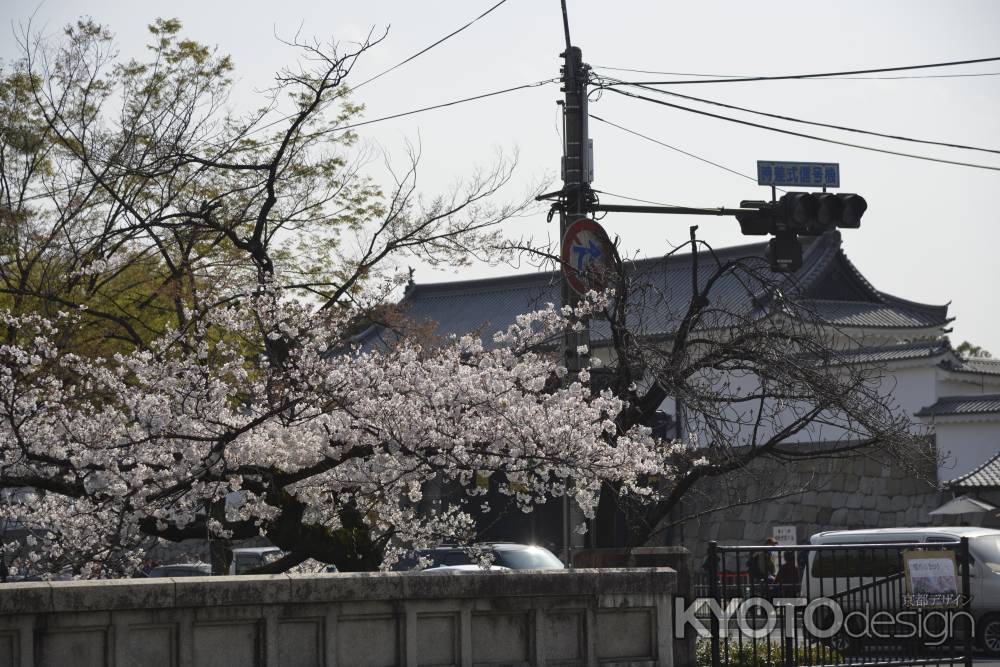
(798, 174)
(589, 258)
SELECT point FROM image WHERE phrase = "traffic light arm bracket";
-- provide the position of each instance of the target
(674, 210)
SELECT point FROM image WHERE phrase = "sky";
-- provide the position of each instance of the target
(931, 233)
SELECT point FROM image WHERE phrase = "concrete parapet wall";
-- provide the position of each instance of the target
(570, 617)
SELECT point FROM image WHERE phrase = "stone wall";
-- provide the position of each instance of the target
(842, 494)
(567, 617)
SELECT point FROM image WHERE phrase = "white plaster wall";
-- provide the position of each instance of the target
(966, 445)
(911, 388)
(974, 385)
(908, 389)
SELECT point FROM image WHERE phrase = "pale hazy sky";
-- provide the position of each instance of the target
(931, 233)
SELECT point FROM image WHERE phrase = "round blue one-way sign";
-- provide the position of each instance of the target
(589, 259)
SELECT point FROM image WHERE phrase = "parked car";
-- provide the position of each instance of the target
(462, 569)
(249, 558)
(182, 570)
(505, 554)
(876, 570)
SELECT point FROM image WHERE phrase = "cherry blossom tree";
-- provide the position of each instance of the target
(179, 285)
(329, 451)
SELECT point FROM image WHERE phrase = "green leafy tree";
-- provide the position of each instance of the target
(968, 350)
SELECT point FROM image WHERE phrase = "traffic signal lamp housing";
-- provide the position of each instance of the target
(811, 214)
(803, 213)
(799, 214)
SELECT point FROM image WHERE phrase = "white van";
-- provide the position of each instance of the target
(835, 571)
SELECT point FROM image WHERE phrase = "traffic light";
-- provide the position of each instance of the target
(799, 214)
(811, 214)
(802, 213)
(760, 222)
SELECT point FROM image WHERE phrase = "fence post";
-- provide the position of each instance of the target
(966, 600)
(713, 591)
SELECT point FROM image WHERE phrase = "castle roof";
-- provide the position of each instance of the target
(828, 286)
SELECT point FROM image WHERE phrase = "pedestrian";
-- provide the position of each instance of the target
(761, 568)
(787, 580)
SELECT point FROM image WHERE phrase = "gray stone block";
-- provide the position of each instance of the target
(257, 589)
(348, 587)
(810, 514)
(732, 530)
(156, 593)
(29, 597)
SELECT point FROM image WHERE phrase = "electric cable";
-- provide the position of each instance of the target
(449, 104)
(821, 75)
(428, 48)
(674, 148)
(802, 134)
(643, 201)
(816, 123)
(837, 78)
(344, 128)
(394, 67)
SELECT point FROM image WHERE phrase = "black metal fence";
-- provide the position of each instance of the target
(837, 605)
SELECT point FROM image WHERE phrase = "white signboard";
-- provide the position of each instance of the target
(784, 534)
(931, 573)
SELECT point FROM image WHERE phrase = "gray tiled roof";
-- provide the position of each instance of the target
(828, 284)
(922, 349)
(977, 404)
(986, 475)
(890, 314)
(974, 365)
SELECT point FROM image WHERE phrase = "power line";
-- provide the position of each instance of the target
(810, 122)
(644, 201)
(340, 129)
(803, 135)
(369, 80)
(448, 104)
(394, 67)
(674, 148)
(838, 78)
(819, 75)
(431, 46)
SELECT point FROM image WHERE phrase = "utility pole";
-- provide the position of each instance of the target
(576, 194)
(576, 197)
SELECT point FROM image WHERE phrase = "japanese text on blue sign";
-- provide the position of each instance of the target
(802, 174)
